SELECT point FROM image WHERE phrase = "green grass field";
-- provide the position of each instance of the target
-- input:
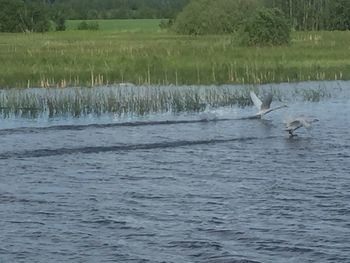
(91, 58)
(130, 25)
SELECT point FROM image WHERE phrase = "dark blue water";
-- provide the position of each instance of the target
(183, 191)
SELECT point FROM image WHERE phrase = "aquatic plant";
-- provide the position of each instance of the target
(127, 99)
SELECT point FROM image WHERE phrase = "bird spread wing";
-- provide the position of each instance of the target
(257, 102)
(267, 102)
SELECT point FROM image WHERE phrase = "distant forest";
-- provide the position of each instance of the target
(303, 14)
(35, 15)
(118, 9)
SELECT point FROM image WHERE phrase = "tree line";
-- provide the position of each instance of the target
(40, 15)
(315, 14)
(20, 16)
(261, 22)
(217, 16)
(227, 16)
(119, 9)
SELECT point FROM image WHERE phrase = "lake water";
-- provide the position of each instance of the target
(171, 188)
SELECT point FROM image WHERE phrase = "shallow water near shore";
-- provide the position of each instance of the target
(184, 187)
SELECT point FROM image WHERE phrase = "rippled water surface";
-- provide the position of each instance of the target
(172, 188)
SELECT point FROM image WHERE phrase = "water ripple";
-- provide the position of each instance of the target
(179, 191)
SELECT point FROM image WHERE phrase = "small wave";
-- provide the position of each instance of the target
(117, 148)
(104, 222)
(8, 198)
(230, 259)
(194, 244)
(26, 222)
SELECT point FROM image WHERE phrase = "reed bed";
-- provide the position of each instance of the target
(130, 100)
(74, 58)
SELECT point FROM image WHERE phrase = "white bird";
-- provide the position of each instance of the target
(263, 106)
(298, 122)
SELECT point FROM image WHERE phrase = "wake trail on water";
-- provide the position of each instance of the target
(119, 148)
(73, 127)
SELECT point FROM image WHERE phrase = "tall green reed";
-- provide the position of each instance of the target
(139, 100)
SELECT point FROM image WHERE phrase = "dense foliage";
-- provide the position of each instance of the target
(270, 25)
(35, 15)
(193, 16)
(201, 17)
(266, 27)
(10, 16)
(225, 16)
(315, 14)
(20, 16)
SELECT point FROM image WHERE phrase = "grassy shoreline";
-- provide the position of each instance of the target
(87, 58)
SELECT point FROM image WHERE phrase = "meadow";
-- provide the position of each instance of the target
(129, 25)
(104, 57)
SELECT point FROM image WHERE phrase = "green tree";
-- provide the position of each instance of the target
(36, 16)
(267, 26)
(60, 23)
(20, 16)
(201, 17)
(11, 16)
(339, 15)
(315, 14)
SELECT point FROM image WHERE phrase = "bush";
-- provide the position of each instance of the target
(58, 18)
(202, 17)
(83, 25)
(60, 24)
(166, 23)
(267, 26)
